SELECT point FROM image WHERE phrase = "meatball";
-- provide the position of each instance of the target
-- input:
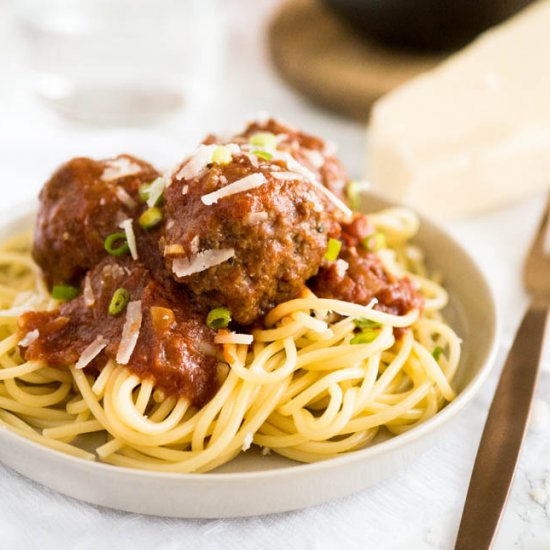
(82, 203)
(174, 348)
(312, 152)
(255, 246)
(362, 277)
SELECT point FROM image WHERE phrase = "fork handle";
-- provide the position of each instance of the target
(503, 435)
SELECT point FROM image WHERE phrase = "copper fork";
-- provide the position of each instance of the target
(506, 423)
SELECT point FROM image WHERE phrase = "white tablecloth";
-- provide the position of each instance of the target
(419, 508)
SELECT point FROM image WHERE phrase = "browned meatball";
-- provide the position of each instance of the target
(362, 277)
(82, 203)
(312, 152)
(174, 347)
(249, 250)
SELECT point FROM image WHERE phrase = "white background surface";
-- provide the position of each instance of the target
(420, 508)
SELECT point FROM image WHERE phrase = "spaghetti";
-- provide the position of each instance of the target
(306, 388)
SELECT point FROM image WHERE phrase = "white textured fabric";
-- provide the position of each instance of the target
(419, 508)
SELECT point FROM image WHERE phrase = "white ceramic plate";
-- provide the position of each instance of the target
(253, 484)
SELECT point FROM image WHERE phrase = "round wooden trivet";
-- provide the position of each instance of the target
(329, 63)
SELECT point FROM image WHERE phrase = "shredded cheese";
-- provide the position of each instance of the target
(197, 164)
(182, 267)
(249, 437)
(130, 237)
(244, 184)
(119, 168)
(29, 338)
(341, 267)
(130, 332)
(88, 292)
(228, 337)
(124, 198)
(91, 352)
(156, 190)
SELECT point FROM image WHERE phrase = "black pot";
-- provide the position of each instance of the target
(424, 24)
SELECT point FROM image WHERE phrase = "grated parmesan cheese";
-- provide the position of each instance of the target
(130, 237)
(228, 337)
(156, 190)
(91, 352)
(124, 198)
(341, 267)
(244, 184)
(249, 437)
(29, 338)
(130, 332)
(119, 168)
(88, 292)
(182, 267)
(197, 164)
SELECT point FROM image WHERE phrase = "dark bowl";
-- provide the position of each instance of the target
(428, 25)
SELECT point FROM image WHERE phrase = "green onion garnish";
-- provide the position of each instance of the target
(264, 140)
(262, 154)
(374, 242)
(120, 299)
(150, 218)
(218, 318)
(333, 249)
(437, 352)
(64, 292)
(110, 244)
(363, 323)
(365, 337)
(221, 155)
(353, 194)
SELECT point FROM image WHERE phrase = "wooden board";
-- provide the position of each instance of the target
(330, 64)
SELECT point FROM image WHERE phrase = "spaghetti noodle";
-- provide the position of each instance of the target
(306, 388)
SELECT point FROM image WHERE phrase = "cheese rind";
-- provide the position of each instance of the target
(474, 133)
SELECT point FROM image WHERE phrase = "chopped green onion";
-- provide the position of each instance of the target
(362, 323)
(437, 352)
(262, 154)
(150, 218)
(112, 239)
(264, 140)
(64, 292)
(222, 155)
(333, 249)
(218, 317)
(365, 337)
(374, 242)
(120, 299)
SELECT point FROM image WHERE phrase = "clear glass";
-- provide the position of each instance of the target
(122, 61)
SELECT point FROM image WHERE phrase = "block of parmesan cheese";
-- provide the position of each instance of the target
(474, 133)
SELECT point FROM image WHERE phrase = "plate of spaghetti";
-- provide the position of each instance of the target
(248, 333)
